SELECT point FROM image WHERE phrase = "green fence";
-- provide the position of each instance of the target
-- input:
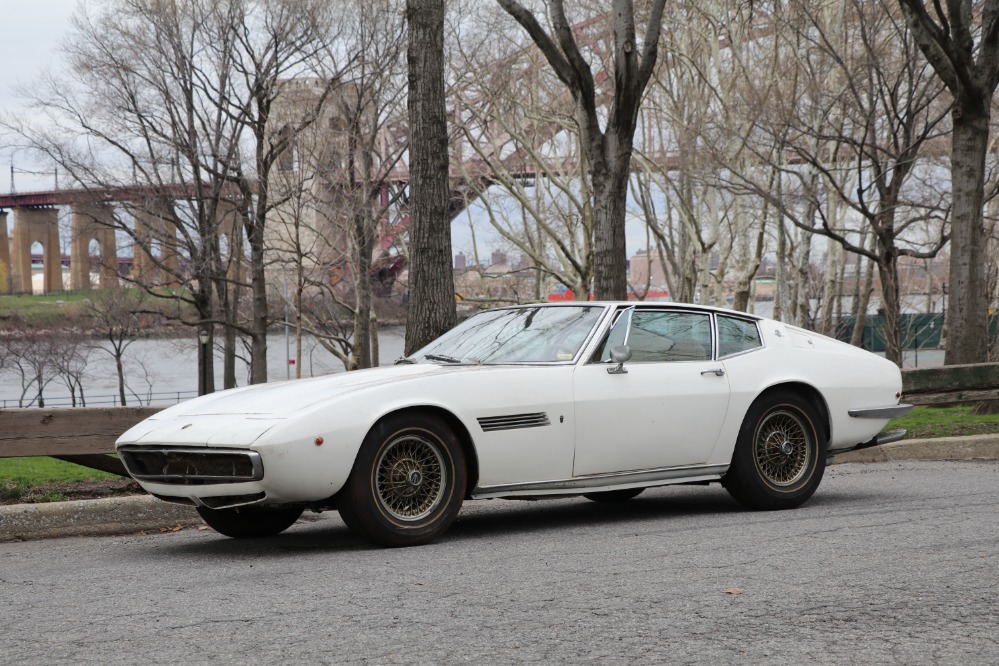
(919, 331)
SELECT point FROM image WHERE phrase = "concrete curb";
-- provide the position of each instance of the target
(117, 515)
(130, 515)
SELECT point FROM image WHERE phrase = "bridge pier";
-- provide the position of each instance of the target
(93, 222)
(155, 229)
(6, 275)
(36, 225)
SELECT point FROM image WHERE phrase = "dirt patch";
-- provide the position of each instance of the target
(61, 492)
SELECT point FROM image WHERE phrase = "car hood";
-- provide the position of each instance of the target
(285, 399)
(240, 416)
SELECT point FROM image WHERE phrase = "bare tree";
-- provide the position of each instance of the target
(115, 314)
(432, 309)
(608, 149)
(171, 108)
(70, 358)
(518, 123)
(947, 34)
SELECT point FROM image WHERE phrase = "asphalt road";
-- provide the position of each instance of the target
(889, 562)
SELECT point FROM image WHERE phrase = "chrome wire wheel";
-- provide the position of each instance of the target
(782, 449)
(410, 477)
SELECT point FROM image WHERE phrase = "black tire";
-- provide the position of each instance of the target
(247, 522)
(408, 482)
(780, 454)
(622, 495)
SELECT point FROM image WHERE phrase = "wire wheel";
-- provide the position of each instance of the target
(782, 449)
(410, 477)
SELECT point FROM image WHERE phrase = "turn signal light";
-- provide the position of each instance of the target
(319, 441)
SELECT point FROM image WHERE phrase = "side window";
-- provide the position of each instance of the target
(658, 337)
(736, 336)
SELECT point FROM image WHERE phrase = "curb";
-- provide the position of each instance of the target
(94, 517)
(130, 515)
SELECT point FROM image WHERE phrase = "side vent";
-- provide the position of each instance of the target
(513, 421)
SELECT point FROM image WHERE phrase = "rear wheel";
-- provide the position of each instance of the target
(779, 457)
(244, 522)
(622, 495)
(408, 482)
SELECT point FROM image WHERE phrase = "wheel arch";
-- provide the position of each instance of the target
(456, 425)
(810, 394)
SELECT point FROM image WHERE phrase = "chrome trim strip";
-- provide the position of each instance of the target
(887, 412)
(651, 476)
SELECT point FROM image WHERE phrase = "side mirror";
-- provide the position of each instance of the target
(619, 355)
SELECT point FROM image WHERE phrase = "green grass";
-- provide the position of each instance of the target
(40, 469)
(43, 310)
(18, 476)
(926, 422)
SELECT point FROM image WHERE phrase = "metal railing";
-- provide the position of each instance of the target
(112, 400)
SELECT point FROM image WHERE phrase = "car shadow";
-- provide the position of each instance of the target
(492, 518)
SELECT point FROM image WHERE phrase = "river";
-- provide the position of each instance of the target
(166, 370)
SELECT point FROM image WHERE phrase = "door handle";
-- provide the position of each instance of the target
(718, 372)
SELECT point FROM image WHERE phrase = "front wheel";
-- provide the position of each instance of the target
(779, 456)
(408, 482)
(246, 522)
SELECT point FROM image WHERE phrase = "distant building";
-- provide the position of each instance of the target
(645, 268)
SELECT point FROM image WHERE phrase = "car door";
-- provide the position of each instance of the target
(665, 409)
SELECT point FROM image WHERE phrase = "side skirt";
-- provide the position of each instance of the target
(643, 478)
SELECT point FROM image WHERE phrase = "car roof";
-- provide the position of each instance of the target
(641, 305)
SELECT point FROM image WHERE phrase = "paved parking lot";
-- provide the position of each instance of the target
(888, 562)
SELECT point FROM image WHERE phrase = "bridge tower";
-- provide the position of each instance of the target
(36, 225)
(156, 258)
(93, 222)
(6, 270)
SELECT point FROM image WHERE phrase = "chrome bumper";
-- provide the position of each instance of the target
(887, 412)
(885, 437)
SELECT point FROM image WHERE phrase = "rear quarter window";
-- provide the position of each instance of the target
(736, 336)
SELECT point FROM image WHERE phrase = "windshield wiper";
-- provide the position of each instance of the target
(442, 358)
(404, 360)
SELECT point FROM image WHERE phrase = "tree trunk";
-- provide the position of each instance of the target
(610, 193)
(121, 376)
(967, 334)
(258, 295)
(432, 310)
(362, 241)
(891, 307)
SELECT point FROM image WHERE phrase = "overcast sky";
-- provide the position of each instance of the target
(32, 33)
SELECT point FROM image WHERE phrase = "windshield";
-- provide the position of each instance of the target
(520, 335)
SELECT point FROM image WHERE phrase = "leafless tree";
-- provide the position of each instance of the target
(171, 106)
(343, 210)
(71, 355)
(961, 42)
(432, 308)
(518, 140)
(115, 315)
(607, 146)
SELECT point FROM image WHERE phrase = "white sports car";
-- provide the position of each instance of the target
(593, 399)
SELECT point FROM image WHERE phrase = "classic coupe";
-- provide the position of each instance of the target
(595, 399)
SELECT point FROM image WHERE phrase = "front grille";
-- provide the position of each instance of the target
(513, 421)
(191, 466)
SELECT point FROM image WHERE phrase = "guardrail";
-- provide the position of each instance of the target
(111, 399)
(86, 435)
(951, 384)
